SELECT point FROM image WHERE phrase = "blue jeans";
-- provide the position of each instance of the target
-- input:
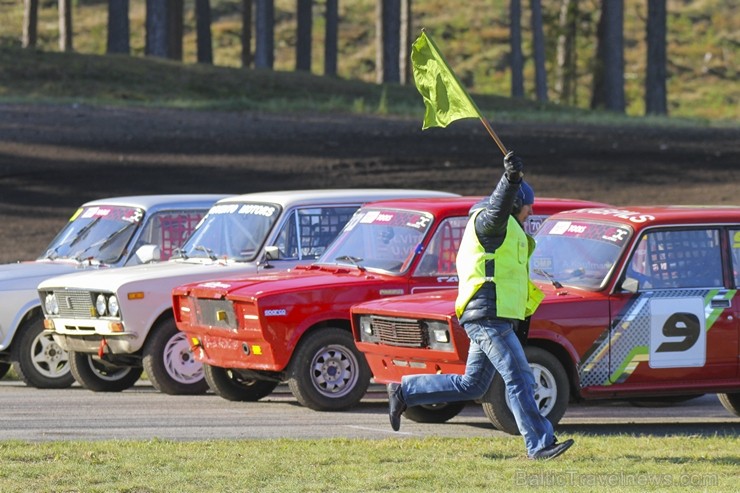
(494, 347)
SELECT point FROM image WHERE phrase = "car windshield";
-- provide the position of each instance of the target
(379, 239)
(96, 233)
(577, 253)
(232, 231)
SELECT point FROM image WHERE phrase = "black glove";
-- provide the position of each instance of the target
(514, 167)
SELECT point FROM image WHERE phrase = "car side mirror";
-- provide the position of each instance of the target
(631, 285)
(148, 253)
(272, 253)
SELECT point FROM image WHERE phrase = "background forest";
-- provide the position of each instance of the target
(703, 37)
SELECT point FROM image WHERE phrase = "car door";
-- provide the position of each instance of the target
(679, 328)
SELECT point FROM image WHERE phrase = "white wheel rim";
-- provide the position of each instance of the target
(334, 371)
(48, 358)
(545, 389)
(180, 362)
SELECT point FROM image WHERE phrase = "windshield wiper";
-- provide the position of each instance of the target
(353, 260)
(207, 250)
(548, 277)
(114, 235)
(179, 253)
(83, 232)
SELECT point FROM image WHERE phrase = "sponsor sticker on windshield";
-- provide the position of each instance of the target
(590, 231)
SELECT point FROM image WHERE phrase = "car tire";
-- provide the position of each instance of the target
(731, 402)
(552, 392)
(38, 360)
(231, 386)
(101, 376)
(434, 413)
(327, 372)
(170, 364)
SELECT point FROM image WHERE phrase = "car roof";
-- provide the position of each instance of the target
(640, 217)
(542, 205)
(287, 198)
(149, 202)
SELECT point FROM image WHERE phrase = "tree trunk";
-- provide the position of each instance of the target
(387, 24)
(30, 23)
(567, 74)
(156, 28)
(119, 31)
(65, 25)
(517, 58)
(538, 35)
(303, 38)
(609, 74)
(406, 36)
(175, 29)
(330, 40)
(655, 79)
(203, 30)
(264, 56)
(246, 33)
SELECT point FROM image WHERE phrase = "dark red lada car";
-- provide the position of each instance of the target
(640, 304)
(255, 332)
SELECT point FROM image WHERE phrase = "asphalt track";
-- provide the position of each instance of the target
(142, 413)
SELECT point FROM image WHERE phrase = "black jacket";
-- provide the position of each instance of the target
(490, 227)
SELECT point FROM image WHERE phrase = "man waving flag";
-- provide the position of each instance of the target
(445, 98)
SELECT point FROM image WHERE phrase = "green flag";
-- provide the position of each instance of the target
(445, 98)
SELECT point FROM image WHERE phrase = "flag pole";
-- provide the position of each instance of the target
(482, 118)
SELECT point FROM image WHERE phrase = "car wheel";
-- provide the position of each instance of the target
(38, 360)
(434, 413)
(551, 392)
(233, 387)
(327, 372)
(731, 402)
(100, 376)
(170, 364)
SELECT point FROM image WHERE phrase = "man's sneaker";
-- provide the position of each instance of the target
(552, 451)
(396, 405)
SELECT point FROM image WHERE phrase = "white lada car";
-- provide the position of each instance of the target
(103, 233)
(117, 324)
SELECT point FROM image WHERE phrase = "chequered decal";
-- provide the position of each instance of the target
(629, 337)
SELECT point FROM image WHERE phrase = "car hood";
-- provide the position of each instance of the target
(28, 275)
(169, 273)
(301, 279)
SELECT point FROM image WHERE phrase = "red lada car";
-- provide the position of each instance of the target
(640, 304)
(253, 333)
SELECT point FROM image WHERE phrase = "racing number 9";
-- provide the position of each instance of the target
(684, 325)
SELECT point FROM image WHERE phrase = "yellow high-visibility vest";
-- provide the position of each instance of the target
(516, 296)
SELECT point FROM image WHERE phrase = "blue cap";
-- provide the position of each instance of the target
(526, 194)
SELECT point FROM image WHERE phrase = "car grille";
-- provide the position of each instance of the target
(75, 303)
(215, 313)
(400, 331)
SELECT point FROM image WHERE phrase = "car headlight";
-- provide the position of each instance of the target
(438, 334)
(101, 305)
(367, 334)
(51, 305)
(113, 306)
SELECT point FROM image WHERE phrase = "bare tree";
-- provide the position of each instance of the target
(264, 56)
(404, 56)
(655, 78)
(567, 68)
(30, 23)
(387, 35)
(303, 38)
(330, 39)
(156, 28)
(65, 25)
(175, 30)
(517, 58)
(246, 33)
(608, 90)
(538, 35)
(119, 31)
(204, 41)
